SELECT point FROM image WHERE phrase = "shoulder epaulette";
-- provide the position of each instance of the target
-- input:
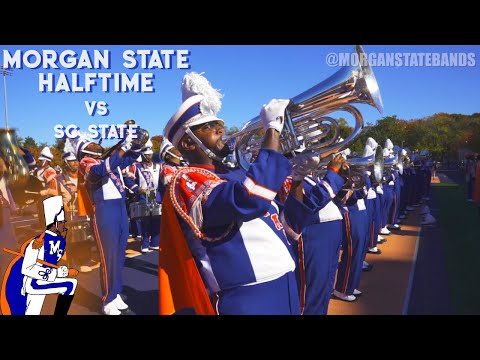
(38, 242)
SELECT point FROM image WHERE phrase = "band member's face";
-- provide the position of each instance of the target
(62, 227)
(173, 159)
(73, 165)
(95, 148)
(148, 157)
(210, 134)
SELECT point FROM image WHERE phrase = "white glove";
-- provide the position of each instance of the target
(273, 114)
(62, 272)
(303, 164)
(128, 143)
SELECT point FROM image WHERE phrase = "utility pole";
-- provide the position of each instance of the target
(5, 72)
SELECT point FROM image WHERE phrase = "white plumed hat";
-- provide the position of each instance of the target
(68, 156)
(147, 148)
(201, 103)
(53, 209)
(372, 143)
(388, 144)
(166, 145)
(46, 154)
(77, 146)
(368, 151)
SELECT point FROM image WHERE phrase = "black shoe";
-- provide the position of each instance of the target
(63, 304)
(127, 311)
(381, 241)
(367, 268)
(378, 252)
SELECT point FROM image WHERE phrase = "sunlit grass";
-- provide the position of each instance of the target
(460, 227)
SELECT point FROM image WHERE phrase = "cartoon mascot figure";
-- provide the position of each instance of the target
(34, 272)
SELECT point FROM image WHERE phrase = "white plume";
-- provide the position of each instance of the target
(196, 84)
(368, 151)
(71, 145)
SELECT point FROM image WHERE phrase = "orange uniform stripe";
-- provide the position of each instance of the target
(102, 257)
(349, 254)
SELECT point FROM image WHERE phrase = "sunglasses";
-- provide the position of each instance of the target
(209, 126)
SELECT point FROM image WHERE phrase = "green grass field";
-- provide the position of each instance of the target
(460, 226)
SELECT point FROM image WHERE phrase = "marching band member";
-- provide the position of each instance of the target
(106, 191)
(68, 180)
(375, 239)
(319, 246)
(47, 176)
(354, 243)
(388, 190)
(68, 185)
(144, 184)
(370, 204)
(229, 220)
(34, 273)
(399, 184)
(404, 195)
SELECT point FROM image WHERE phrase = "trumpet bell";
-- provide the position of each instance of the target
(306, 116)
(16, 170)
(142, 137)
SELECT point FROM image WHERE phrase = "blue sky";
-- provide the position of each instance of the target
(247, 75)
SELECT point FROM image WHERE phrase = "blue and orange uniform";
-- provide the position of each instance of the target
(355, 237)
(146, 177)
(107, 193)
(319, 246)
(236, 233)
(27, 281)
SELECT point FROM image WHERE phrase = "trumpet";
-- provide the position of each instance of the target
(306, 116)
(142, 137)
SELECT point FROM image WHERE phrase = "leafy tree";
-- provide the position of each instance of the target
(231, 130)
(30, 143)
(157, 142)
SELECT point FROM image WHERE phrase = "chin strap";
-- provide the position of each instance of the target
(173, 155)
(209, 153)
(91, 152)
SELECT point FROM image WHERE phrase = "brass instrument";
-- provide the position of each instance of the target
(306, 116)
(17, 172)
(389, 165)
(142, 137)
(354, 171)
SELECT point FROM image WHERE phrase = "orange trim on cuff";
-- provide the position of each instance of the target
(333, 169)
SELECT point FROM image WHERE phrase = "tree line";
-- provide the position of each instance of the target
(444, 135)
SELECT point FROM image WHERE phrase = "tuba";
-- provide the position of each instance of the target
(17, 172)
(354, 170)
(306, 115)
